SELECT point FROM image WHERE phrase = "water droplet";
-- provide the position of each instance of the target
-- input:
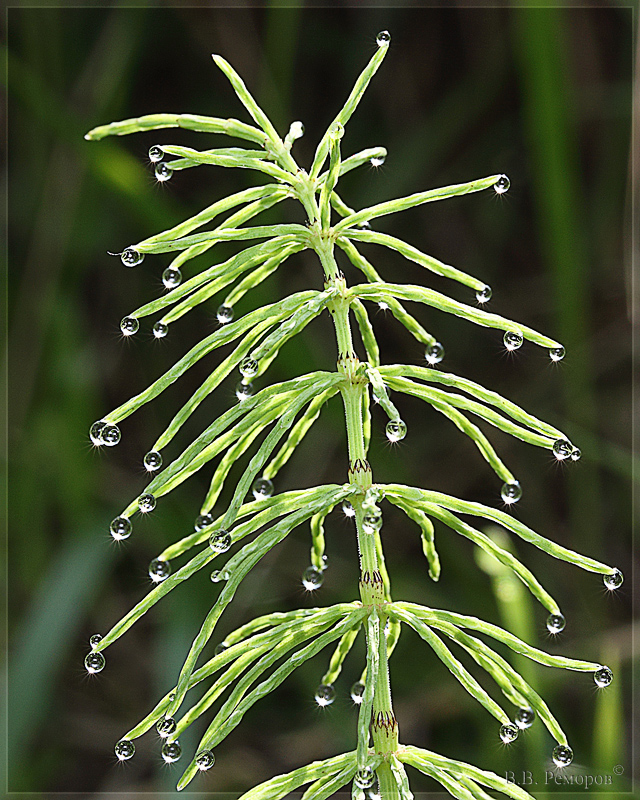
(562, 449)
(224, 314)
(562, 755)
(244, 390)
(365, 225)
(556, 353)
(383, 306)
(383, 39)
(511, 492)
(249, 367)
(484, 295)
(95, 433)
(575, 454)
(156, 153)
(160, 330)
(502, 185)
(219, 575)
(555, 623)
(171, 751)
(513, 340)
(347, 509)
(364, 778)
(129, 326)
(377, 161)
(124, 749)
(130, 257)
(220, 648)
(152, 461)
(296, 130)
(603, 677)
(613, 580)
(357, 692)
(95, 640)
(262, 488)
(325, 562)
(396, 430)
(171, 277)
(509, 733)
(312, 579)
(110, 435)
(121, 528)
(220, 541)
(372, 521)
(205, 760)
(166, 726)
(525, 717)
(163, 172)
(159, 570)
(434, 353)
(203, 521)
(325, 694)
(94, 662)
(337, 130)
(146, 503)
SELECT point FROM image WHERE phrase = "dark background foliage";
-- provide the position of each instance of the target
(543, 95)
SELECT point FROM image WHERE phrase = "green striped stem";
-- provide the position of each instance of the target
(331, 178)
(214, 286)
(230, 715)
(419, 294)
(233, 266)
(478, 438)
(240, 654)
(245, 159)
(278, 647)
(380, 393)
(464, 677)
(503, 672)
(370, 683)
(271, 314)
(270, 442)
(275, 143)
(251, 409)
(413, 200)
(316, 525)
(193, 122)
(279, 787)
(475, 390)
(427, 534)
(367, 334)
(503, 556)
(348, 108)
(339, 654)
(298, 432)
(420, 496)
(270, 191)
(224, 235)
(325, 788)
(396, 308)
(425, 760)
(352, 162)
(436, 616)
(238, 566)
(413, 254)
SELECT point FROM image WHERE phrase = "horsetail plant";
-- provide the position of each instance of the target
(266, 426)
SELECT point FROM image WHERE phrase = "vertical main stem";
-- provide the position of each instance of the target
(384, 728)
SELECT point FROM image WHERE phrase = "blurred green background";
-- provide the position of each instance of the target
(543, 95)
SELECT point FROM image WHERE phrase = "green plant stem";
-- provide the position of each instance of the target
(384, 727)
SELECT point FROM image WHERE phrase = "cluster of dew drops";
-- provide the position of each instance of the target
(105, 433)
